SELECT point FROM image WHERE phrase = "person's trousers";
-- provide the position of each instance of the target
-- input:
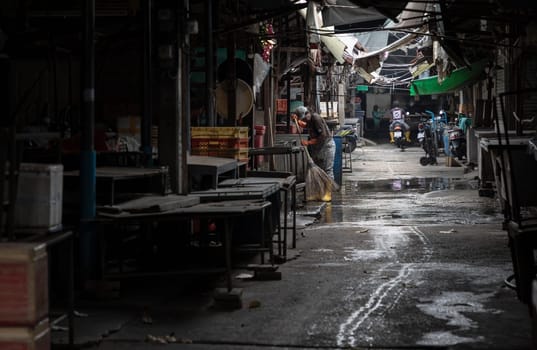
(324, 157)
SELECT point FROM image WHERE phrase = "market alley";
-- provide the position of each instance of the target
(405, 256)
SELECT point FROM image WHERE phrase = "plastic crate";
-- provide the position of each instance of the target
(220, 132)
(235, 143)
(239, 154)
(198, 152)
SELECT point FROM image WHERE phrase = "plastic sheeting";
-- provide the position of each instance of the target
(458, 78)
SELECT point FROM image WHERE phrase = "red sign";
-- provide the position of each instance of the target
(281, 106)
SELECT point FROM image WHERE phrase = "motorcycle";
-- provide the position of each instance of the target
(432, 130)
(425, 139)
(399, 135)
(457, 142)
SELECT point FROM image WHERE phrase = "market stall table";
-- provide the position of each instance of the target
(261, 191)
(290, 151)
(112, 175)
(200, 167)
(287, 185)
(517, 150)
(515, 165)
(483, 138)
(290, 155)
(228, 211)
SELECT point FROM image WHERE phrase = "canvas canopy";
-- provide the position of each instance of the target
(456, 80)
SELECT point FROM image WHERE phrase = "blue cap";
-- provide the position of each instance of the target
(301, 112)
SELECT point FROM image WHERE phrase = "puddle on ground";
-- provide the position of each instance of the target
(456, 309)
(411, 201)
(417, 185)
(445, 339)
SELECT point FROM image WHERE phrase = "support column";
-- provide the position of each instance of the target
(169, 88)
(88, 239)
(147, 89)
(209, 65)
(184, 98)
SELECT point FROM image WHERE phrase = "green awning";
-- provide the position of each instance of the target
(458, 78)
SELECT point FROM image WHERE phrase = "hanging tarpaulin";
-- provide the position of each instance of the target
(345, 12)
(457, 79)
(261, 69)
(333, 44)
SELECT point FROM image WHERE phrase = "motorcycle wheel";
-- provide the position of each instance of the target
(424, 161)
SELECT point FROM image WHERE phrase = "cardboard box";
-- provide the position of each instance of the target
(26, 338)
(23, 284)
(452, 162)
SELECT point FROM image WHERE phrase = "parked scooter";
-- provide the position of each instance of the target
(457, 142)
(425, 139)
(432, 131)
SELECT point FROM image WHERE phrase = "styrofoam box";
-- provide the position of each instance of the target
(26, 338)
(23, 284)
(39, 196)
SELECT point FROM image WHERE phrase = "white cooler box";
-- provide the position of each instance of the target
(39, 197)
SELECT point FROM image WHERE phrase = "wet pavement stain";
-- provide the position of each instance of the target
(397, 276)
(411, 201)
(455, 308)
(446, 339)
(414, 184)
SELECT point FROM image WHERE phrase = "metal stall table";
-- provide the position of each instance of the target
(203, 168)
(493, 149)
(517, 166)
(291, 155)
(110, 176)
(265, 191)
(485, 159)
(287, 185)
(227, 211)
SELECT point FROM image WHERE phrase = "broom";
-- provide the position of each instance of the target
(319, 185)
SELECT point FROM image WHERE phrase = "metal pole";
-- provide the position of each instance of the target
(184, 68)
(147, 84)
(88, 240)
(209, 65)
(288, 119)
(232, 80)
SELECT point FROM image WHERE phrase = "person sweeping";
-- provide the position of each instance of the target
(322, 149)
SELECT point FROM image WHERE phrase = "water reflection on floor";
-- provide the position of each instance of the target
(419, 185)
(411, 201)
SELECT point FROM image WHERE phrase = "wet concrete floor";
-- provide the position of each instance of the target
(404, 257)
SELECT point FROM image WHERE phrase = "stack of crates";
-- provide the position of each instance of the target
(225, 142)
(24, 301)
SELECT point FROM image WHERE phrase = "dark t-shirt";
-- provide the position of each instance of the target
(318, 129)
